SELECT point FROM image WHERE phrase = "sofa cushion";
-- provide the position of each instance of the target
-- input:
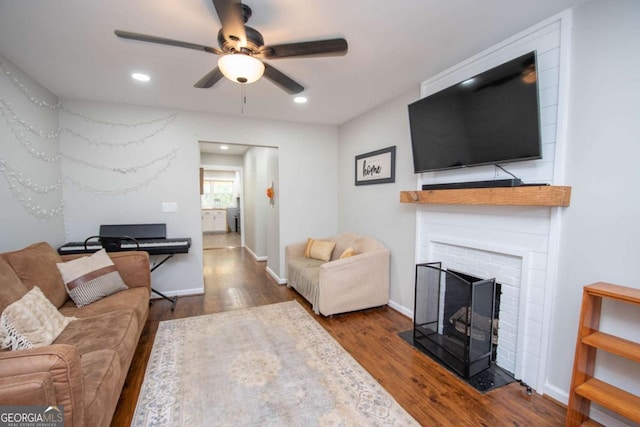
(12, 287)
(91, 278)
(35, 265)
(136, 299)
(32, 321)
(117, 330)
(319, 249)
(103, 378)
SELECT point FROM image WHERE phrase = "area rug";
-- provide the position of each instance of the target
(272, 365)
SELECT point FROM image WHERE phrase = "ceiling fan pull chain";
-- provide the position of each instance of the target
(243, 97)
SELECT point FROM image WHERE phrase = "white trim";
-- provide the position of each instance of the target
(401, 309)
(276, 277)
(481, 245)
(556, 393)
(555, 220)
(256, 257)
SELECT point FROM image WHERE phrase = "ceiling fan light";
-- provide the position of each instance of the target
(241, 68)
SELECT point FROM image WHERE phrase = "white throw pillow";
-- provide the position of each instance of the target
(91, 278)
(32, 321)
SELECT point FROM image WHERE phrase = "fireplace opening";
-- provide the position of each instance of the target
(456, 320)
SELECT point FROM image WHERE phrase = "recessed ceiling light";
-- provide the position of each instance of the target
(224, 147)
(300, 99)
(140, 77)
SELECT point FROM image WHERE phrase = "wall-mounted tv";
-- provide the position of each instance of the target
(490, 118)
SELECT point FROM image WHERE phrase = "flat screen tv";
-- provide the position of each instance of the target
(490, 118)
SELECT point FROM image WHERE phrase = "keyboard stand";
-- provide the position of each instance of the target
(173, 300)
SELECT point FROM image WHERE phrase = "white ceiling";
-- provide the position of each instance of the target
(69, 47)
(217, 148)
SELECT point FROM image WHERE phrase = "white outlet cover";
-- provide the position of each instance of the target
(169, 207)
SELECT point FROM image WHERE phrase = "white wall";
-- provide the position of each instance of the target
(255, 201)
(375, 210)
(165, 158)
(273, 217)
(30, 187)
(601, 232)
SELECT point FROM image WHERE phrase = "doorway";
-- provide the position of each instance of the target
(221, 192)
(248, 170)
(220, 203)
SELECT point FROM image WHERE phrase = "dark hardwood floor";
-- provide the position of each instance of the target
(430, 393)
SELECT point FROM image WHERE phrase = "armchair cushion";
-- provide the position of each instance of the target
(32, 321)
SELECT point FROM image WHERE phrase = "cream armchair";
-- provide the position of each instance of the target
(340, 285)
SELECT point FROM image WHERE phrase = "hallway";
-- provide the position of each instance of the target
(221, 240)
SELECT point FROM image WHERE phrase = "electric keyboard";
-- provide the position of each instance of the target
(152, 246)
(151, 238)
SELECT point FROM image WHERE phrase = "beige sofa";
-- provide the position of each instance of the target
(85, 368)
(341, 285)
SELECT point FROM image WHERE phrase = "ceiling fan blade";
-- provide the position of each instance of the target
(230, 15)
(211, 78)
(160, 40)
(279, 78)
(331, 47)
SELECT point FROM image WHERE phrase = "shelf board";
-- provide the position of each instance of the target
(608, 290)
(619, 401)
(543, 195)
(615, 345)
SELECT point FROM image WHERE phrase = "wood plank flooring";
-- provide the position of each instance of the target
(430, 393)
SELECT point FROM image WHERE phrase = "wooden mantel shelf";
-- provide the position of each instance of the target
(544, 195)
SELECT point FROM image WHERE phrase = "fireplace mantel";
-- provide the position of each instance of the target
(543, 195)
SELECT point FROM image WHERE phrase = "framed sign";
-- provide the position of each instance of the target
(376, 167)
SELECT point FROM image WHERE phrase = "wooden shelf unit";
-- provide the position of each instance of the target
(543, 195)
(584, 388)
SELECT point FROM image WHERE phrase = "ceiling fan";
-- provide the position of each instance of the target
(242, 49)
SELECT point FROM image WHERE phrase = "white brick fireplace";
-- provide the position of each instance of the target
(512, 245)
(520, 316)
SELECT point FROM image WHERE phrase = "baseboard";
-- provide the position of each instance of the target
(180, 293)
(256, 257)
(606, 419)
(556, 393)
(401, 309)
(276, 277)
(596, 414)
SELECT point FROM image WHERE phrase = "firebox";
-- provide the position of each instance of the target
(455, 318)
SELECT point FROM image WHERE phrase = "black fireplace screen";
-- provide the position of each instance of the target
(454, 318)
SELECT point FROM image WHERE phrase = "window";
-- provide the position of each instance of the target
(218, 194)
